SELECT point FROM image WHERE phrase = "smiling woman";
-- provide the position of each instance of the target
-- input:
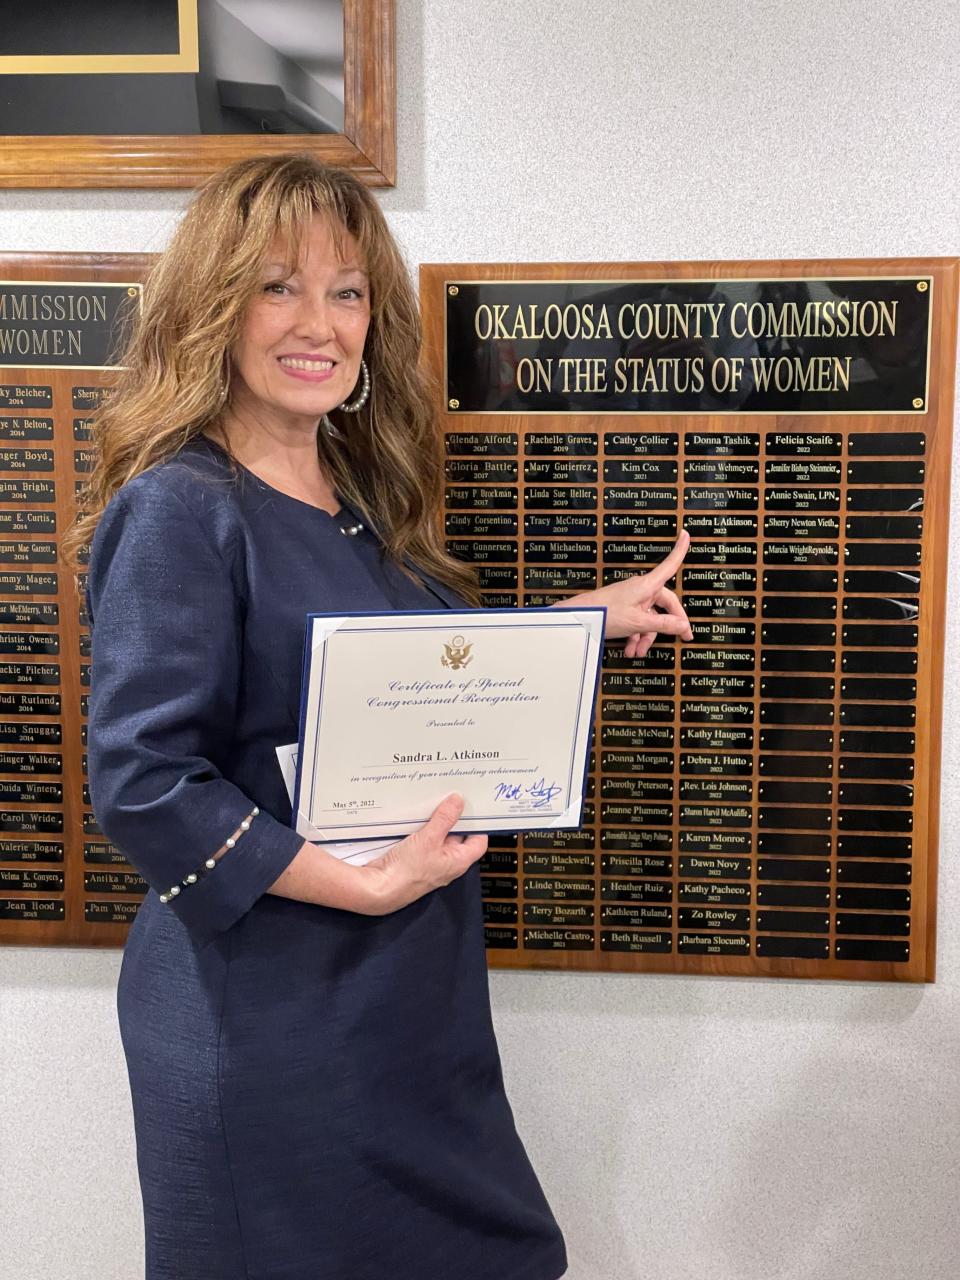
(316, 1084)
(299, 356)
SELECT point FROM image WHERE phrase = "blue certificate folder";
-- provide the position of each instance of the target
(400, 708)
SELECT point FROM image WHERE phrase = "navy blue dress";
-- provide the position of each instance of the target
(317, 1094)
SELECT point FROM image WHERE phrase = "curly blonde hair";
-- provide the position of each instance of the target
(387, 460)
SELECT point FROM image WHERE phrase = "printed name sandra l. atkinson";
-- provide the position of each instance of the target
(423, 757)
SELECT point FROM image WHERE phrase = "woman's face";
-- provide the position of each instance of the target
(302, 340)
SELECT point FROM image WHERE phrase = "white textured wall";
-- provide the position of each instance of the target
(683, 1128)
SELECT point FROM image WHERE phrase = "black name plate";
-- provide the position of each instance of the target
(639, 498)
(627, 915)
(500, 938)
(13, 397)
(635, 942)
(549, 498)
(480, 552)
(565, 523)
(29, 820)
(635, 891)
(562, 864)
(720, 524)
(649, 525)
(31, 762)
(546, 443)
(722, 444)
(113, 882)
(34, 851)
(109, 912)
(544, 914)
(636, 788)
(100, 853)
(31, 673)
(642, 443)
(25, 459)
(635, 864)
(29, 642)
(26, 428)
(802, 471)
(30, 792)
(28, 735)
(801, 444)
(32, 881)
(721, 471)
(40, 584)
(561, 578)
(549, 551)
(28, 909)
(480, 443)
(598, 346)
(559, 471)
(88, 398)
(636, 711)
(28, 522)
(715, 868)
(482, 497)
(25, 613)
(30, 704)
(708, 944)
(27, 491)
(776, 526)
(647, 471)
(558, 939)
(473, 524)
(478, 468)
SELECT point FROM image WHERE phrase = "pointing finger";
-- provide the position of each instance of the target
(637, 645)
(665, 624)
(664, 571)
(667, 600)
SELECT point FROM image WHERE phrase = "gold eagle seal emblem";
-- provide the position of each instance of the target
(456, 654)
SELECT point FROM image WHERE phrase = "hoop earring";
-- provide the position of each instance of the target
(225, 378)
(364, 395)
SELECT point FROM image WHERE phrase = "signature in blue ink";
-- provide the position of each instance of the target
(508, 791)
(542, 792)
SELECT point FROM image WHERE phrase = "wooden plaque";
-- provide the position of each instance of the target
(60, 318)
(763, 801)
(367, 145)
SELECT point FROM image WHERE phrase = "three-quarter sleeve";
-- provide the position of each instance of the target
(166, 652)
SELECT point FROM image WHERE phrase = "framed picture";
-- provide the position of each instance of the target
(120, 93)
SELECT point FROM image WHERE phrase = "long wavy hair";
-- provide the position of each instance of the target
(387, 460)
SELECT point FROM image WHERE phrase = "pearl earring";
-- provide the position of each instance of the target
(364, 395)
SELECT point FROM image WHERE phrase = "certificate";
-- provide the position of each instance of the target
(400, 709)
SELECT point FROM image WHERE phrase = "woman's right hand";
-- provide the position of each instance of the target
(426, 860)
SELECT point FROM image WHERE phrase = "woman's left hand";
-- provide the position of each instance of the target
(642, 607)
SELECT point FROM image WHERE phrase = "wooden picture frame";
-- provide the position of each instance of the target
(367, 145)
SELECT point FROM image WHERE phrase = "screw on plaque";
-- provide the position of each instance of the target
(922, 286)
(917, 403)
(454, 404)
(453, 291)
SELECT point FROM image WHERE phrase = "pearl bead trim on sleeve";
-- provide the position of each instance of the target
(211, 862)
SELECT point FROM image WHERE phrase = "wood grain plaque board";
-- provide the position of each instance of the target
(763, 801)
(60, 879)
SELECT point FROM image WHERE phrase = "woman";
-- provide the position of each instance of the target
(317, 1091)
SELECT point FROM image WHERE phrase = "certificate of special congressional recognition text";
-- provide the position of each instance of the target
(400, 709)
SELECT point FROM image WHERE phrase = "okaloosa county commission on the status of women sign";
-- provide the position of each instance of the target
(765, 799)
